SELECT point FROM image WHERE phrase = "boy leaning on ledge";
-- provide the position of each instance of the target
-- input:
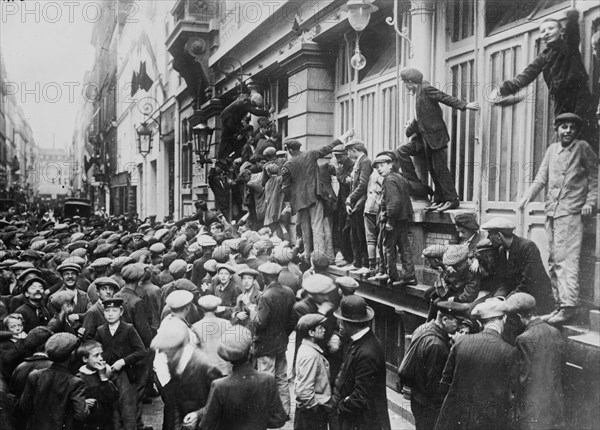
(569, 170)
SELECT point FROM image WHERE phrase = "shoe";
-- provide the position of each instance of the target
(563, 316)
(429, 190)
(361, 271)
(405, 281)
(349, 267)
(454, 204)
(342, 263)
(379, 277)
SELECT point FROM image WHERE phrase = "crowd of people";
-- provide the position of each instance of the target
(102, 314)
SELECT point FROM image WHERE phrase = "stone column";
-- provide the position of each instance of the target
(422, 17)
(310, 90)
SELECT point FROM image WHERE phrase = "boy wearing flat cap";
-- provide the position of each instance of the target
(539, 394)
(123, 350)
(395, 215)
(312, 388)
(428, 134)
(570, 170)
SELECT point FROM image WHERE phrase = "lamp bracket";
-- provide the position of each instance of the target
(393, 21)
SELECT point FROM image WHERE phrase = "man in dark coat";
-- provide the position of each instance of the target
(232, 117)
(395, 215)
(428, 134)
(274, 322)
(192, 372)
(341, 228)
(246, 399)
(539, 396)
(299, 187)
(33, 310)
(360, 391)
(70, 272)
(479, 375)
(54, 398)
(519, 267)
(355, 204)
(424, 363)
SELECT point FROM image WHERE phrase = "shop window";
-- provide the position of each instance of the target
(499, 13)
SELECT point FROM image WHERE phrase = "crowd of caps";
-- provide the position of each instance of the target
(203, 310)
(97, 316)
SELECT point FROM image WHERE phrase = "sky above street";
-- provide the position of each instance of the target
(46, 48)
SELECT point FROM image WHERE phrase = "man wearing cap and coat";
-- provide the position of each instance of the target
(299, 187)
(54, 398)
(428, 133)
(246, 399)
(274, 322)
(360, 390)
(479, 376)
(539, 396)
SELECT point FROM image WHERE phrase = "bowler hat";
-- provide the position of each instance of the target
(354, 309)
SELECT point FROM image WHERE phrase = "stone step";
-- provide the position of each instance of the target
(594, 316)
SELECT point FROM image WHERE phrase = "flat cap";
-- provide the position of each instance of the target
(7, 263)
(60, 345)
(61, 227)
(227, 267)
(103, 250)
(68, 265)
(269, 151)
(77, 236)
(29, 272)
(211, 266)
(173, 333)
(221, 253)
(491, 308)
(318, 284)
(455, 309)
(158, 248)
(310, 321)
(101, 262)
(106, 280)
(51, 247)
(22, 265)
(30, 253)
(178, 299)
(466, 220)
(568, 117)
(381, 159)
(355, 143)
(160, 233)
(339, 149)
(270, 268)
(168, 259)
(179, 242)
(37, 337)
(248, 271)
(61, 297)
(194, 247)
(178, 267)
(411, 75)
(113, 302)
(346, 283)
(236, 343)
(519, 302)
(34, 280)
(38, 245)
(484, 244)
(455, 254)
(120, 262)
(435, 251)
(205, 240)
(209, 302)
(133, 272)
(499, 223)
(79, 252)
